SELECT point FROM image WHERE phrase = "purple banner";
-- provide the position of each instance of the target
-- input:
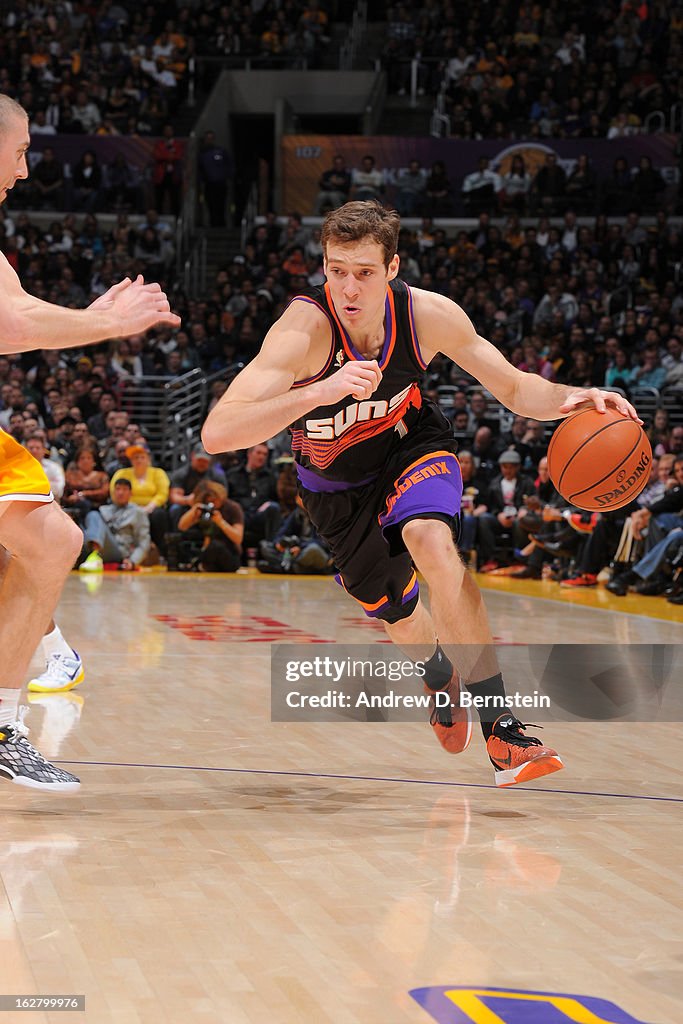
(137, 150)
(305, 157)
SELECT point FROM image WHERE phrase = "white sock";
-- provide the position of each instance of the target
(54, 643)
(9, 706)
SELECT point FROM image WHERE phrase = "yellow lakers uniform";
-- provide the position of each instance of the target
(21, 476)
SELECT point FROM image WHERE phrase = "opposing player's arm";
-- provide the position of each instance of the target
(446, 328)
(27, 322)
(260, 402)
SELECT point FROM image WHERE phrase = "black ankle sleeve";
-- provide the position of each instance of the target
(493, 687)
(438, 670)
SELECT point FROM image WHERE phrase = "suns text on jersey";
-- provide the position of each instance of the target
(329, 427)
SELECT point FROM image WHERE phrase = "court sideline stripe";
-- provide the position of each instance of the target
(363, 778)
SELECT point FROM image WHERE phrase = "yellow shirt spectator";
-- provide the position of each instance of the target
(150, 484)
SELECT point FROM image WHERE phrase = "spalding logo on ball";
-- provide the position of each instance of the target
(599, 461)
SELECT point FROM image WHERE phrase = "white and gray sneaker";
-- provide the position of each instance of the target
(61, 673)
(21, 763)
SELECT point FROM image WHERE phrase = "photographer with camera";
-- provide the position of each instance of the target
(213, 529)
(296, 548)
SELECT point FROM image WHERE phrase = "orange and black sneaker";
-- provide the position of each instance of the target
(582, 579)
(451, 722)
(516, 757)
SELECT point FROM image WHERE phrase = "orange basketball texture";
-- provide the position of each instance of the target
(599, 461)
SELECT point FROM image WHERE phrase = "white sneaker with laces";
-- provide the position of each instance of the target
(22, 764)
(61, 673)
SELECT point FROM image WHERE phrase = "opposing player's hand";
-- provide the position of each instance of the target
(359, 378)
(106, 300)
(137, 305)
(584, 398)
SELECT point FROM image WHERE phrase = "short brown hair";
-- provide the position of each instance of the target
(354, 222)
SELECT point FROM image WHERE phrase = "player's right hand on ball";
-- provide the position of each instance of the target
(140, 306)
(359, 378)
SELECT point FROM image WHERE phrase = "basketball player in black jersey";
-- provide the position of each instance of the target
(376, 461)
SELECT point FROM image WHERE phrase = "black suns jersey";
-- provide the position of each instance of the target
(351, 441)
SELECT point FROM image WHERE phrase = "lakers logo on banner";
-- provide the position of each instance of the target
(457, 1005)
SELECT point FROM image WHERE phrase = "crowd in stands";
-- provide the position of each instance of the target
(567, 70)
(570, 294)
(585, 305)
(113, 69)
(122, 68)
(417, 191)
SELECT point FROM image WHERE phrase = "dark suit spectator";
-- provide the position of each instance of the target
(87, 182)
(484, 451)
(121, 184)
(98, 424)
(582, 186)
(480, 188)
(334, 185)
(617, 190)
(47, 179)
(215, 171)
(505, 498)
(479, 415)
(647, 186)
(438, 195)
(254, 487)
(549, 187)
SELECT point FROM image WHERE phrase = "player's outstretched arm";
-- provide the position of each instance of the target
(129, 307)
(449, 330)
(260, 401)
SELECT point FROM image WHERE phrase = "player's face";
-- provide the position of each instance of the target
(14, 142)
(358, 280)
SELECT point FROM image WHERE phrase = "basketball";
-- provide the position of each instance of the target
(599, 461)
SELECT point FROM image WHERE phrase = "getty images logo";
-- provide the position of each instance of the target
(625, 484)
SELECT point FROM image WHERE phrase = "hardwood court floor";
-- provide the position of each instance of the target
(218, 867)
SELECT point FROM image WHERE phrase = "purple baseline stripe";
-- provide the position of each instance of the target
(321, 485)
(367, 778)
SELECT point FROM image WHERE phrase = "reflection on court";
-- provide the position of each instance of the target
(216, 866)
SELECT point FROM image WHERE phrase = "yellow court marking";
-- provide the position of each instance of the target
(469, 1003)
(548, 590)
(585, 597)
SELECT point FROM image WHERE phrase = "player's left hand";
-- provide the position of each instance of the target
(106, 301)
(584, 398)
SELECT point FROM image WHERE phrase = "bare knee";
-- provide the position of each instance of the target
(68, 535)
(43, 534)
(430, 543)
